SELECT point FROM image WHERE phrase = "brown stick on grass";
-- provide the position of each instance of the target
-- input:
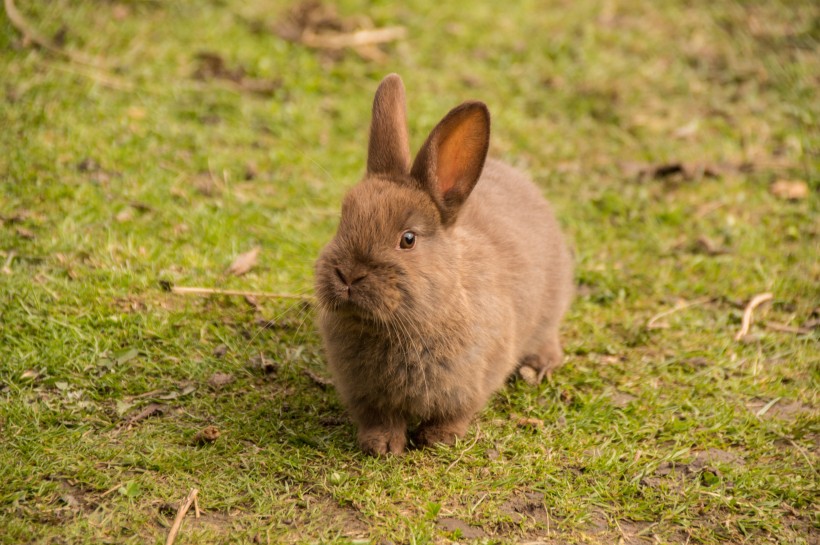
(183, 509)
(32, 36)
(358, 38)
(190, 290)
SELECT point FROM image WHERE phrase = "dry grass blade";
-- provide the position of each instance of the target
(746, 323)
(653, 322)
(466, 450)
(183, 509)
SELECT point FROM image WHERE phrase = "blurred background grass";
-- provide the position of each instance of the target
(198, 131)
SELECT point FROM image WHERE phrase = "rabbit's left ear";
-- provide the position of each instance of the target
(389, 149)
(450, 162)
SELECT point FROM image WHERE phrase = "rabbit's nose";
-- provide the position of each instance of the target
(354, 276)
(341, 276)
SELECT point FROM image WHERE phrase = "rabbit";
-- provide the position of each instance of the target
(445, 277)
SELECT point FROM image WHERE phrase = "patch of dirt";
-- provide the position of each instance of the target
(452, 524)
(713, 456)
(629, 531)
(783, 409)
(212, 521)
(209, 521)
(218, 380)
(335, 515)
(75, 499)
(622, 531)
(703, 464)
(528, 506)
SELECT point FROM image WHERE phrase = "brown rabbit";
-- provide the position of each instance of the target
(444, 278)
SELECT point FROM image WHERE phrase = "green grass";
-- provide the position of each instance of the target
(115, 181)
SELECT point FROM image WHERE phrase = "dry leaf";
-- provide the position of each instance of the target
(208, 434)
(792, 190)
(218, 380)
(126, 214)
(527, 422)
(30, 374)
(244, 262)
(150, 410)
(27, 234)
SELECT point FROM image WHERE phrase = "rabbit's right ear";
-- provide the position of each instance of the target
(450, 162)
(389, 148)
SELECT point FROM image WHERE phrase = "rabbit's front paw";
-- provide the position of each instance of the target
(382, 440)
(445, 433)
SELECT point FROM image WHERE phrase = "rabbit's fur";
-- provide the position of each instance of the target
(422, 336)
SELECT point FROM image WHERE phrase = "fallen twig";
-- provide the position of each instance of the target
(652, 323)
(355, 39)
(746, 323)
(183, 509)
(112, 489)
(95, 70)
(783, 328)
(188, 290)
(30, 35)
(196, 507)
(149, 410)
(320, 381)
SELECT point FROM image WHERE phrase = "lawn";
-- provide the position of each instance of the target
(153, 143)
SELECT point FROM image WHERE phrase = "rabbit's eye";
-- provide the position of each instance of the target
(408, 240)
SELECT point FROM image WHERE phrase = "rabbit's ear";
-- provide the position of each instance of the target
(389, 149)
(450, 161)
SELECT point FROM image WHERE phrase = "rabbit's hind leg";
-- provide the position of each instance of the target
(534, 367)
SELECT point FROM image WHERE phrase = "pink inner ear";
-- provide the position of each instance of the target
(459, 154)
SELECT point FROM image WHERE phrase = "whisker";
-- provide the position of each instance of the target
(273, 321)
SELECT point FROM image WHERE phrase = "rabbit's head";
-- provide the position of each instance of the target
(395, 255)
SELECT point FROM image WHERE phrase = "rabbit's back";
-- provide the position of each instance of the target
(530, 262)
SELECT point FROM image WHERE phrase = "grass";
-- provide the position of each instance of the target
(114, 182)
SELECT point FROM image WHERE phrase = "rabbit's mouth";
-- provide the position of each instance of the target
(362, 307)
